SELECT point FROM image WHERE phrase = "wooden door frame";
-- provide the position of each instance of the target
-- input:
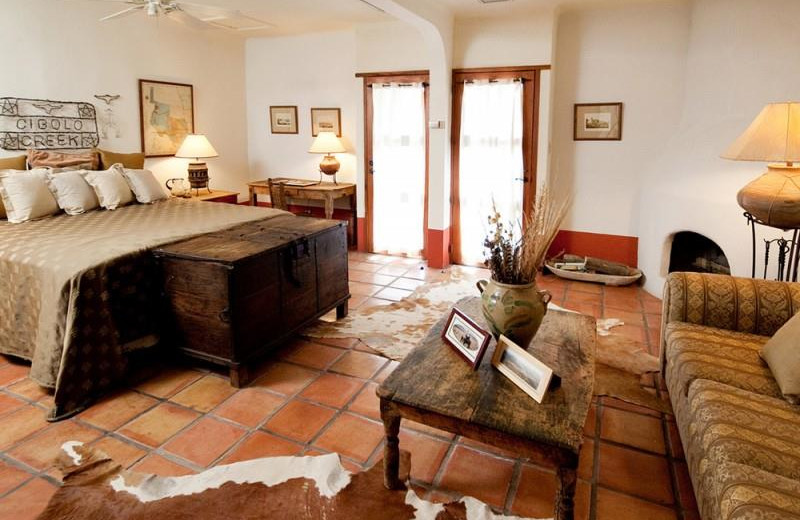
(531, 77)
(412, 76)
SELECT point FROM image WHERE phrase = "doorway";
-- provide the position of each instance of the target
(396, 160)
(493, 150)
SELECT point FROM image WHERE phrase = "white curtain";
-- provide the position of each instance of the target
(398, 181)
(490, 160)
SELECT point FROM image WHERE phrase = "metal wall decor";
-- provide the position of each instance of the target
(47, 125)
(107, 120)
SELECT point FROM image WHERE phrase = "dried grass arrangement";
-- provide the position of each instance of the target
(515, 260)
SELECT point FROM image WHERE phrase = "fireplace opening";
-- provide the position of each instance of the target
(696, 253)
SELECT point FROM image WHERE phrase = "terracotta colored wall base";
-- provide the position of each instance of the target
(438, 248)
(617, 248)
(362, 234)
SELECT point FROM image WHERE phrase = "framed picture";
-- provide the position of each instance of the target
(166, 112)
(466, 337)
(598, 122)
(283, 120)
(524, 370)
(326, 120)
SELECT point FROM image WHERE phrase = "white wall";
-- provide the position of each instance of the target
(738, 61)
(58, 50)
(316, 70)
(634, 54)
(503, 42)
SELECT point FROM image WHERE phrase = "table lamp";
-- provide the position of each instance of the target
(196, 146)
(329, 144)
(773, 137)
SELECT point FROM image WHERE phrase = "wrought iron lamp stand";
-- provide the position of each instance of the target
(788, 251)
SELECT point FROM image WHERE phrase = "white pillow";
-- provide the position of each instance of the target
(72, 192)
(110, 187)
(26, 196)
(145, 186)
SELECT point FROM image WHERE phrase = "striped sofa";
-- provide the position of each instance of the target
(741, 438)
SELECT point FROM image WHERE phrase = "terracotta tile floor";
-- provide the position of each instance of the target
(319, 396)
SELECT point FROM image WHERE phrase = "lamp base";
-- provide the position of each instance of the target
(329, 166)
(774, 198)
(198, 176)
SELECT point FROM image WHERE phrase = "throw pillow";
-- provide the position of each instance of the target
(26, 196)
(782, 354)
(72, 192)
(145, 186)
(134, 161)
(13, 163)
(84, 160)
(110, 187)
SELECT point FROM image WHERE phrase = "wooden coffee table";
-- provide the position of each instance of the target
(434, 386)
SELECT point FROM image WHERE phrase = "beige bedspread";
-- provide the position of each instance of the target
(71, 288)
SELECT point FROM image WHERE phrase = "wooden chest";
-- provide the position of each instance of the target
(232, 295)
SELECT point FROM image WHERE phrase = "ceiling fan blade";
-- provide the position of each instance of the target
(124, 12)
(182, 17)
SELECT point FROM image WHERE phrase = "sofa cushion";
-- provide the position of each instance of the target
(782, 354)
(700, 352)
(743, 452)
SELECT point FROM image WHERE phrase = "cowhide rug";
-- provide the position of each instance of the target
(307, 488)
(395, 329)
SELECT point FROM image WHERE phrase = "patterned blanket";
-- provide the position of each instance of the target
(76, 291)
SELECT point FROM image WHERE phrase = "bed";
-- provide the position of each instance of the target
(78, 292)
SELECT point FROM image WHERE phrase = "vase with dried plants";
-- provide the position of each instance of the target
(512, 304)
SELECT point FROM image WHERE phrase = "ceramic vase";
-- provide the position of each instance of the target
(515, 311)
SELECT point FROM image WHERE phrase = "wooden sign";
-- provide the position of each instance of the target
(47, 125)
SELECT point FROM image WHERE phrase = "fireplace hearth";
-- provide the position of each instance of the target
(696, 253)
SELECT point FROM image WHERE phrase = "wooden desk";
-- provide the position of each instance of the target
(433, 386)
(324, 191)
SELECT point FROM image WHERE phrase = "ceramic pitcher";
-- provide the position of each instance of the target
(516, 311)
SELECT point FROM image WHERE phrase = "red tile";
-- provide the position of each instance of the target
(205, 393)
(590, 426)
(615, 506)
(639, 431)
(29, 389)
(623, 405)
(363, 289)
(41, 450)
(345, 343)
(9, 404)
(489, 485)
(372, 278)
(12, 372)
(121, 452)
(154, 464)
(427, 454)
(154, 427)
(169, 382)
(27, 502)
(367, 402)
(332, 390)
(285, 378)
(385, 371)
(586, 460)
(11, 477)
(117, 409)
(636, 473)
(351, 436)
(299, 420)
(536, 492)
(261, 444)
(359, 364)
(205, 441)
(312, 355)
(586, 287)
(20, 424)
(392, 293)
(249, 406)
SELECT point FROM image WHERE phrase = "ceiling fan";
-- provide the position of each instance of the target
(201, 16)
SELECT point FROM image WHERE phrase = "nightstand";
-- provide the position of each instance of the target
(228, 197)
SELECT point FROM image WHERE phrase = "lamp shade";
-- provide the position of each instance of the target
(196, 146)
(327, 143)
(774, 136)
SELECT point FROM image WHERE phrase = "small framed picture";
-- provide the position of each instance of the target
(524, 370)
(598, 122)
(466, 337)
(326, 120)
(283, 120)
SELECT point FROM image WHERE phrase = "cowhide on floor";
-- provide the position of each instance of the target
(395, 329)
(308, 488)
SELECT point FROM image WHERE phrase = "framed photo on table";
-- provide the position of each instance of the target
(166, 112)
(283, 119)
(524, 370)
(598, 122)
(326, 120)
(466, 338)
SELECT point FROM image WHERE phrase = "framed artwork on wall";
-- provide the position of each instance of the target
(166, 112)
(283, 119)
(598, 122)
(326, 120)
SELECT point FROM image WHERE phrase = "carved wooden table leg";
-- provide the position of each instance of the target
(391, 449)
(565, 493)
